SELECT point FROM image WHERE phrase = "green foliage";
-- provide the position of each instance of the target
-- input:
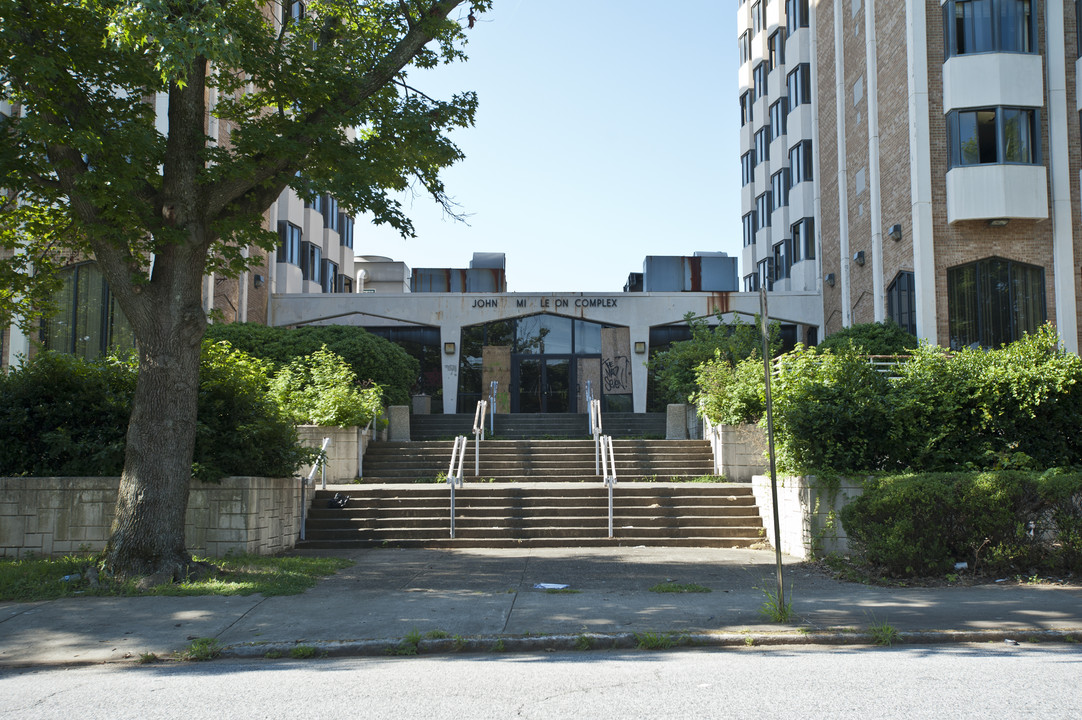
(881, 338)
(883, 634)
(372, 358)
(655, 641)
(831, 411)
(201, 650)
(775, 608)
(674, 370)
(673, 587)
(61, 415)
(731, 395)
(320, 389)
(1004, 521)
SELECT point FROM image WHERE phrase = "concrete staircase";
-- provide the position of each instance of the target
(522, 426)
(538, 460)
(537, 515)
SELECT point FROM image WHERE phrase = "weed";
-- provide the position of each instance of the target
(749, 641)
(583, 643)
(273, 655)
(952, 577)
(147, 658)
(201, 649)
(707, 479)
(437, 635)
(654, 641)
(774, 609)
(672, 587)
(563, 591)
(458, 642)
(883, 634)
(302, 652)
(498, 646)
(409, 644)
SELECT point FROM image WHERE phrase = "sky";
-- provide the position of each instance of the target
(606, 131)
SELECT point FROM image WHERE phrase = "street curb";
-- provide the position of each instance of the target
(584, 642)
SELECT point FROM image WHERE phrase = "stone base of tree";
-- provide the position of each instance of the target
(60, 515)
(809, 513)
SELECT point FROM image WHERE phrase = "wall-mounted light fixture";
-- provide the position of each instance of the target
(895, 232)
(998, 222)
(449, 348)
(640, 347)
(830, 279)
(257, 281)
(858, 257)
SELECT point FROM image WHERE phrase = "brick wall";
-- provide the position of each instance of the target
(58, 515)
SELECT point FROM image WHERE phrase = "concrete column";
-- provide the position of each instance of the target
(843, 173)
(450, 334)
(639, 333)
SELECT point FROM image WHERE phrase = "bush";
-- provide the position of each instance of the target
(1003, 522)
(372, 358)
(61, 415)
(321, 389)
(732, 395)
(884, 338)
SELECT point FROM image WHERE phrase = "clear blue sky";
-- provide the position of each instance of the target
(606, 132)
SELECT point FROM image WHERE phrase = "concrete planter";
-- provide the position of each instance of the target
(59, 515)
(809, 512)
(345, 454)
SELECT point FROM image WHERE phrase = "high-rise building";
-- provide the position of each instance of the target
(777, 145)
(947, 142)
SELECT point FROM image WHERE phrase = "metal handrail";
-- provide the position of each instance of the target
(494, 387)
(360, 447)
(321, 462)
(454, 479)
(712, 433)
(595, 430)
(608, 461)
(478, 435)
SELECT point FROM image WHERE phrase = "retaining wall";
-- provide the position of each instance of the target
(58, 515)
(808, 515)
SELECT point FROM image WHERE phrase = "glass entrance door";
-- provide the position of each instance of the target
(544, 384)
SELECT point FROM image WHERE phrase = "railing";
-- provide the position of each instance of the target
(454, 474)
(478, 435)
(360, 447)
(321, 464)
(608, 462)
(494, 386)
(712, 433)
(595, 430)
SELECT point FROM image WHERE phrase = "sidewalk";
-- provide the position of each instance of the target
(484, 600)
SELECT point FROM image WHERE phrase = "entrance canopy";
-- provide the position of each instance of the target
(546, 357)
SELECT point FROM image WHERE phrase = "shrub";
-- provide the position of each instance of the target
(372, 358)
(731, 395)
(321, 389)
(1007, 521)
(60, 415)
(882, 338)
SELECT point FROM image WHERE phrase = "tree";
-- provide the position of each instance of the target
(87, 170)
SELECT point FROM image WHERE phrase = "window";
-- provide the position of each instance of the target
(311, 261)
(781, 261)
(779, 111)
(901, 301)
(345, 229)
(763, 208)
(800, 162)
(746, 114)
(88, 321)
(758, 76)
(979, 26)
(747, 168)
(292, 10)
(345, 284)
(779, 187)
(751, 283)
(765, 269)
(994, 135)
(289, 243)
(315, 203)
(330, 213)
(751, 225)
(796, 15)
(798, 84)
(757, 22)
(775, 48)
(994, 301)
(762, 143)
(329, 276)
(745, 46)
(803, 233)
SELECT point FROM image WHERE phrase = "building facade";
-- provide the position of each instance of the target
(778, 127)
(948, 142)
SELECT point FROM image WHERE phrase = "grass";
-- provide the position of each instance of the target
(201, 649)
(409, 644)
(563, 591)
(883, 634)
(302, 652)
(655, 641)
(437, 635)
(33, 579)
(582, 642)
(672, 587)
(774, 609)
